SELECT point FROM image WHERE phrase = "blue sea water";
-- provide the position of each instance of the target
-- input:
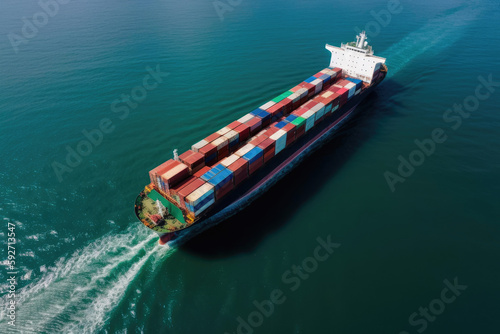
(83, 263)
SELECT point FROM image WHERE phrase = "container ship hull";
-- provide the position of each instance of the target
(270, 172)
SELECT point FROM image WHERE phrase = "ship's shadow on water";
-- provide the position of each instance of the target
(244, 231)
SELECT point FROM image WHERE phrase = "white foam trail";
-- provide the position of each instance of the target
(77, 294)
(437, 35)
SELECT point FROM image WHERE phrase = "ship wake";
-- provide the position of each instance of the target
(79, 293)
(437, 35)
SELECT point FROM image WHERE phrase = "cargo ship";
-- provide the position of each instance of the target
(228, 169)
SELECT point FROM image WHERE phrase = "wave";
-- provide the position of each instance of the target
(78, 294)
(437, 35)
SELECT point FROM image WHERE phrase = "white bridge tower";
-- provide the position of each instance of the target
(356, 59)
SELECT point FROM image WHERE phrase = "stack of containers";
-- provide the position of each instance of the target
(352, 89)
(267, 105)
(276, 111)
(255, 158)
(233, 139)
(359, 84)
(258, 139)
(175, 173)
(222, 145)
(280, 140)
(240, 169)
(310, 88)
(208, 150)
(263, 115)
(319, 109)
(194, 160)
(243, 130)
(254, 123)
(290, 133)
(221, 178)
(300, 126)
(190, 183)
(200, 199)
(202, 171)
(187, 190)
(268, 147)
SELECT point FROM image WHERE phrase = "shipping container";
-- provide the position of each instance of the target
(187, 190)
(310, 117)
(234, 125)
(244, 150)
(209, 151)
(240, 170)
(202, 171)
(267, 105)
(173, 176)
(245, 118)
(194, 160)
(255, 125)
(243, 132)
(359, 83)
(276, 111)
(318, 86)
(268, 146)
(255, 158)
(263, 115)
(223, 131)
(212, 137)
(258, 139)
(199, 145)
(222, 144)
(280, 138)
(154, 173)
(290, 133)
(200, 199)
(229, 160)
(233, 139)
(174, 191)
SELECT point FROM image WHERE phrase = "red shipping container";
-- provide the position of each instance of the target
(271, 131)
(276, 110)
(243, 131)
(223, 153)
(300, 132)
(177, 173)
(188, 189)
(194, 160)
(268, 146)
(258, 139)
(290, 129)
(255, 125)
(175, 190)
(208, 150)
(240, 170)
(317, 75)
(253, 167)
(234, 125)
(333, 89)
(212, 137)
(160, 170)
(310, 88)
(202, 171)
(221, 192)
(301, 111)
(287, 106)
(343, 92)
(296, 88)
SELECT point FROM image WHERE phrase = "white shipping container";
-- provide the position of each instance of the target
(244, 150)
(199, 145)
(303, 92)
(319, 109)
(232, 136)
(229, 160)
(220, 142)
(267, 105)
(280, 140)
(245, 118)
(310, 117)
(223, 131)
(318, 83)
(200, 194)
(352, 89)
(327, 94)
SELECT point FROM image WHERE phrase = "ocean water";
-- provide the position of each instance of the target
(83, 263)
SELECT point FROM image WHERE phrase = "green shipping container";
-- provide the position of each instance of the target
(299, 121)
(282, 96)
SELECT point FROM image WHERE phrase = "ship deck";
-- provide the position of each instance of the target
(146, 209)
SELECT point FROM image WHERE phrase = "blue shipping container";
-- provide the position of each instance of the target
(280, 124)
(221, 179)
(358, 82)
(290, 118)
(254, 154)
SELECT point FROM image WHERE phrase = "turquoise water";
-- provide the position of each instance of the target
(85, 266)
